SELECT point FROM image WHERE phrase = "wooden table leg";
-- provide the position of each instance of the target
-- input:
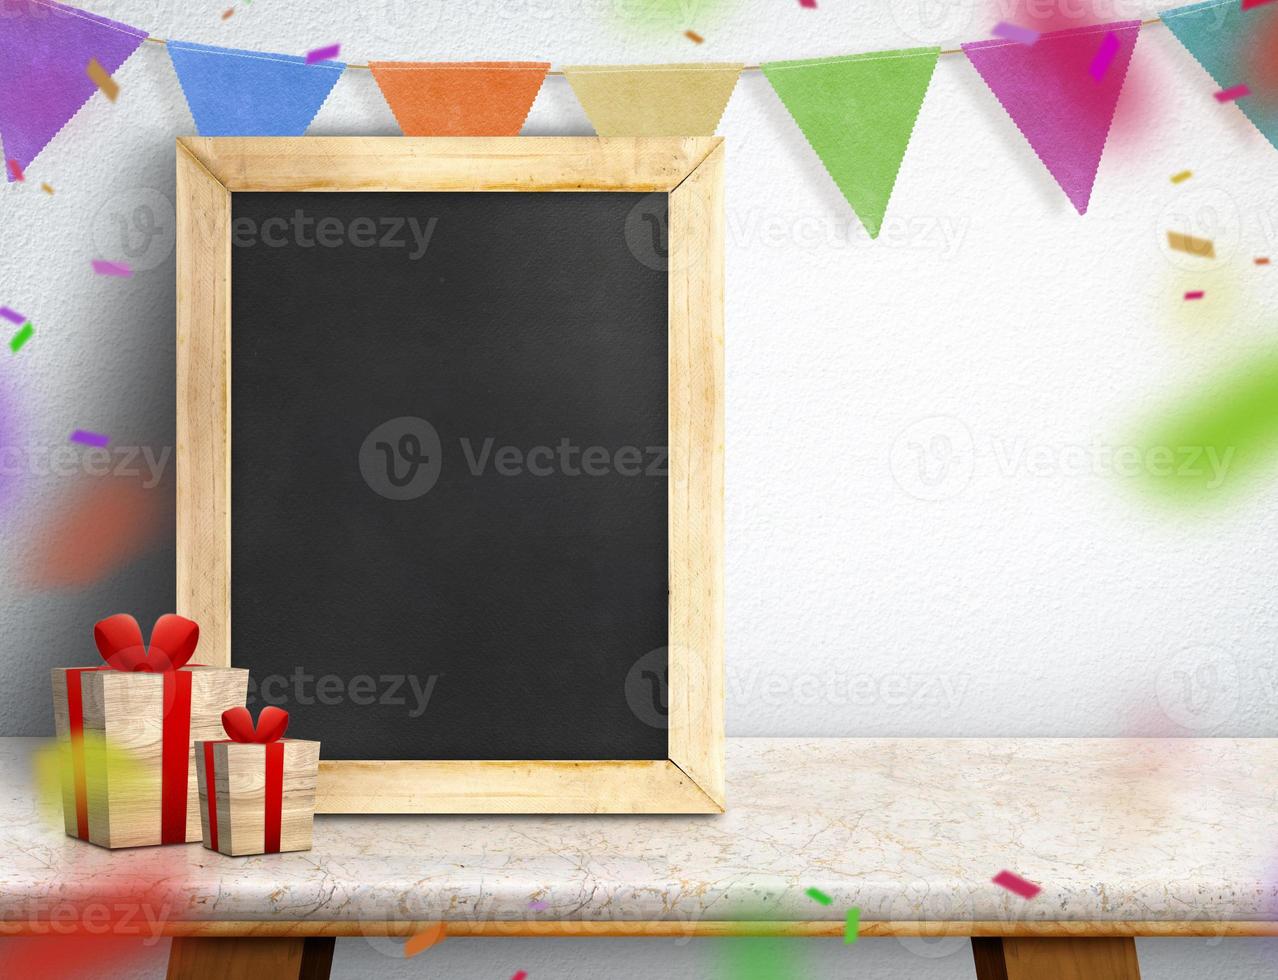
(197, 958)
(1015, 958)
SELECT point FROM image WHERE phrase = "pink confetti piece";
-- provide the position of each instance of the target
(1104, 57)
(1230, 94)
(90, 438)
(1014, 32)
(15, 168)
(1194, 294)
(1248, 4)
(1017, 884)
(103, 268)
(323, 54)
(808, 4)
(12, 315)
(521, 975)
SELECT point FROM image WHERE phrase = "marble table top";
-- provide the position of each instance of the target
(906, 830)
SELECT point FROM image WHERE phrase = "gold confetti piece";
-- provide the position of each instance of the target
(1183, 175)
(46, 188)
(693, 36)
(1201, 247)
(102, 79)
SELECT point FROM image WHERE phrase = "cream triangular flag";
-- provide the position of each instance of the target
(653, 100)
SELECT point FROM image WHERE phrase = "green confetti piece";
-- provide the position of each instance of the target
(852, 926)
(819, 896)
(1220, 437)
(21, 337)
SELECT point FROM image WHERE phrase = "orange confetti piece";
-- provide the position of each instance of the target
(229, 11)
(46, 188)
(433, 936)
(102, 79)
(1261, 261)
(693, 36)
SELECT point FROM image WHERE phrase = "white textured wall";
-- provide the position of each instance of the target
(1013, 586)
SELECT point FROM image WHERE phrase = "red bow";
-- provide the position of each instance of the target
(119, 640)
(270, 724)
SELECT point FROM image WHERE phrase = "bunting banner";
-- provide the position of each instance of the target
(251, 93)
(45, 51)
(858, 114)
(654, 100)
(1235, 45)
(478, 98)
(1061, 92)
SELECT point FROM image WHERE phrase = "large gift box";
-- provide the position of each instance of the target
(126, 733)
(257, 789)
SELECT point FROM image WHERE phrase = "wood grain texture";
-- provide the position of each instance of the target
(1021, 958)
(339, 928)
(62, 732)
(124, 727)
(482, 786)
(203, 451)
(239, 776)
(447, 163)
(692, 780)
(232, 959)
(696, 412)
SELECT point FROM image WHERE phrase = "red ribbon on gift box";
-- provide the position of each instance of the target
(119, 641)
(238, 724)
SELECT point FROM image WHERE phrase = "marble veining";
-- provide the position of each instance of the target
(906, 829)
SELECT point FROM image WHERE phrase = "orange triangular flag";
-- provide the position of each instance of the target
(471, 98)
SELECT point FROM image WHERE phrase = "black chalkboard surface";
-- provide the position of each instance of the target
(449, 484)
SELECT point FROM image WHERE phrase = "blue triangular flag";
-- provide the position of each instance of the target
(251, 93)
(1231, 43)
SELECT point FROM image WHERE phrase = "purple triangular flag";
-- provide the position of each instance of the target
(1061, 93)
(44, 51)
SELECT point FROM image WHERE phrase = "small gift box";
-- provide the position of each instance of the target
(257, 788)
(126, 732)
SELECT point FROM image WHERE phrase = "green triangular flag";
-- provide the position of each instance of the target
(858, 113)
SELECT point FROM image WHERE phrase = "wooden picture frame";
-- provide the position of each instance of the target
(690, 171)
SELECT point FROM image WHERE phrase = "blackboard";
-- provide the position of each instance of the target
(458, 336)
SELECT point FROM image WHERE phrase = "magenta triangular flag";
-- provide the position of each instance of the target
(45, 49)
(1061, 92)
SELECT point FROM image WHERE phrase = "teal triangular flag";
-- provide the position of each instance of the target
(1228, 41)
(858, 113)
(251, 93)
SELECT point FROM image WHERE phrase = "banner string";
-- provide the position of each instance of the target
(1143, 23)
